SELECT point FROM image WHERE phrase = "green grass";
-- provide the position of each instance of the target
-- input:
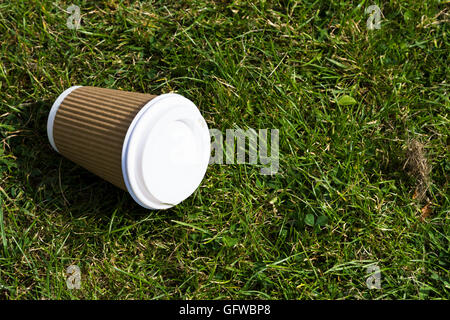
(272, 64)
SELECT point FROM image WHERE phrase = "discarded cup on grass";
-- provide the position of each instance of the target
(155, 147)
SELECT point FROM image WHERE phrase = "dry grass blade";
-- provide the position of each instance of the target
(418, 167)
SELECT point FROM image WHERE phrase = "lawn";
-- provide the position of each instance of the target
(363, 120)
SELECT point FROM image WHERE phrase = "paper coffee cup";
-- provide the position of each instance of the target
(155, 147)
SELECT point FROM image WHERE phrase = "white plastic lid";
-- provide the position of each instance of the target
(165, 152)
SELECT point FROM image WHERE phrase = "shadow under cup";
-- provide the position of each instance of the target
(155, 147)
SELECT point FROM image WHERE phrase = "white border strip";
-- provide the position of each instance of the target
(52, 114)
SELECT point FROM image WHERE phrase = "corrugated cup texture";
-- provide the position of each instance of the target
(90, 127)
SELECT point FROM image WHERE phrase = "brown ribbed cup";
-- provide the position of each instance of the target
(90, 127)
